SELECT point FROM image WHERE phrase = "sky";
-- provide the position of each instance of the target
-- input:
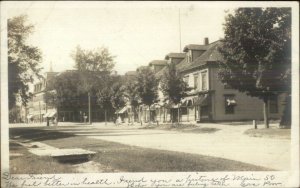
(135, 32)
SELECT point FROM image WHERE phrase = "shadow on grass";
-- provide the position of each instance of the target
(189, 128)
(202, 130)
(126, 158)
(35, 134)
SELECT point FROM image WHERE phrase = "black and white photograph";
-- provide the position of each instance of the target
(149, 94)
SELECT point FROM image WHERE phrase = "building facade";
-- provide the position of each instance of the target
(210, 100)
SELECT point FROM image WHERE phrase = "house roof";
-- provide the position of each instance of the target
(210, 55)
(158, 62)
(175, 55)
(194, 47)
(130, 73)
(141, 67)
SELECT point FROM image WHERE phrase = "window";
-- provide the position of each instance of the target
(273, 105)
(183, 110)
(204, 80)
(186, 79)
(229, 104)
(196, 81)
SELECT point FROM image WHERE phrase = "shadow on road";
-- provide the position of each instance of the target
(37, 134)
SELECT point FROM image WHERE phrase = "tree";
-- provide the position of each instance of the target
(111, 95)
(63, 91)
(132, 95)
(92, 66)
(23, 59)
(173, 86)
(257, 52)
(147, 85)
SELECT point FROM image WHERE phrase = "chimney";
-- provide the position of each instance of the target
(206, 42)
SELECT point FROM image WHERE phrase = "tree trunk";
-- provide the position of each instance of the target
(89, 96)
(105, 116)
(149, 120)
(266, 112)
(178, 110)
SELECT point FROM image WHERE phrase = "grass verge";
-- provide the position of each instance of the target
(115, 157)
(23, 162)
(192, 128)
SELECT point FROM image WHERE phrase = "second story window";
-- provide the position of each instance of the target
(196, 80)
(204, 80)
(186, 79)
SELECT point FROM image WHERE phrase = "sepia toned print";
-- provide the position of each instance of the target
(149, 94)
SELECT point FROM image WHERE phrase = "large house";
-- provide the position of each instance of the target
(210, 99)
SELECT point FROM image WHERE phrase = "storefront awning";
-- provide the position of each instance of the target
(201, 100)
(124, 109)
(155, 106)
(187, 101)
(49, 114)
(46, 115)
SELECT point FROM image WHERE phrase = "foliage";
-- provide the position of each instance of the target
(110, 96)
(63, 90)
(23, 59)
(130, 91)
(172, 84)
(147, 85)
(257, 51)
(92, 65)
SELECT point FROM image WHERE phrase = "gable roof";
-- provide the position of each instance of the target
(158, 62)
(194, 47)
(210, 55)
(130, 73)
(175, 55)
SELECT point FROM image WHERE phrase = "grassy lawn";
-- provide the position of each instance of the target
(114, 156)
(272, 132)
(23, 162)
(182, 127)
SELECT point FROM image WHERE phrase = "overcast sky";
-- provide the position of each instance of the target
(135, 32)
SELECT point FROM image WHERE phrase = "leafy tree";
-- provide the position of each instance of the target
(173, 86)
(63, 91)
(111, 95)
(257, 52)
(92, 66)
(147, 86)
(132, 94)
(23, 59)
